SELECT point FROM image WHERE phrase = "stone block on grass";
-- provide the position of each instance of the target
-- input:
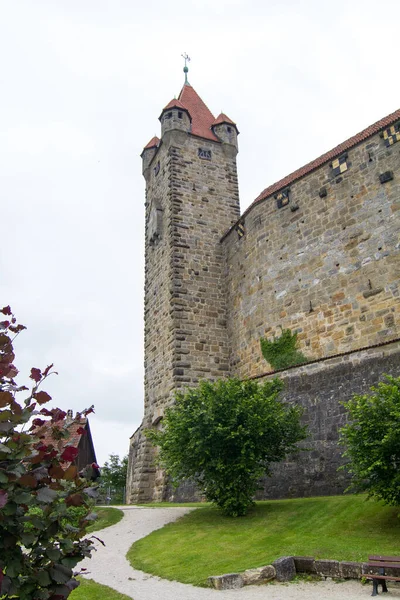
(327, 568)
(350, 570)
(285, 568)
(304, 564)
(260, 575)
(230, 581)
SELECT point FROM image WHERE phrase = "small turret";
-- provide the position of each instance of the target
(226, 131)
(148, 154)
(175, 116)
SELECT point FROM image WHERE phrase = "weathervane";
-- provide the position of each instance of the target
(186, 68)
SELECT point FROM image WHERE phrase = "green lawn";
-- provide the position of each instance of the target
(90, 590)
(106, 517)
(204, 542)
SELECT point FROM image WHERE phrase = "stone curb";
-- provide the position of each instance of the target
(285, 569)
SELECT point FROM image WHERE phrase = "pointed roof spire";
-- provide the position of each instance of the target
(186, 68)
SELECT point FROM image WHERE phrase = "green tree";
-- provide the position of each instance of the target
(113, 477)
(224, 435)
(372, 441)
(39, 547)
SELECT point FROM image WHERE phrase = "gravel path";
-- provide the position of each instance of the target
(110, 567)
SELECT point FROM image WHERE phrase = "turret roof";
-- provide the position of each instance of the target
(153, 143)
(222, 118)
(202, 117)
(174, 104)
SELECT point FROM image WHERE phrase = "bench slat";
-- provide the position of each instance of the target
(385, 565)
(384, 558)
(370, 576)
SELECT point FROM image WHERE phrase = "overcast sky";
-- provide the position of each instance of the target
(82, 85)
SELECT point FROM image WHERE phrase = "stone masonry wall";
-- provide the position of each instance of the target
(327, 267)
(320, 388)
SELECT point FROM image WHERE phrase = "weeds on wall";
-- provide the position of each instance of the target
(282, 351)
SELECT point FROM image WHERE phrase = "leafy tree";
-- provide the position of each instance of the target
(224, 435)
(39, 547)
(113, 476)
(372, 440)
(282, 352)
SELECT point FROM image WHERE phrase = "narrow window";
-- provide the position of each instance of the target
(157, 169)
(180, 115)
(229, 129)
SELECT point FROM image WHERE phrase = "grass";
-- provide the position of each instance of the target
(90, 590)
(204, 542)
(106, 517)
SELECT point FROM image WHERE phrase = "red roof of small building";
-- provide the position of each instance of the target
(153, 143)
(202, 117)
(328, 156)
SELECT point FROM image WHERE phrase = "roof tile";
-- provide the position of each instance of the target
(202, 118)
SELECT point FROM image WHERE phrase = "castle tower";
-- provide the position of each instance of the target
(191, 200)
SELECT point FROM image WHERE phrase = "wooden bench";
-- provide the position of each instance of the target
(382, 563)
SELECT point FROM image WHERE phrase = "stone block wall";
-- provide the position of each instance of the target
(319, 389)
(326, 265)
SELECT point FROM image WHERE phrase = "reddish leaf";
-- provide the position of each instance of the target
(87, 411)
(81, 431)
(47, 369)
(69, 454)
(3, 498)
(42, 397)
(4, 324)
(17, 328)
(56, 472)
(70, 473)
(28, 481)
(5, 399)
(38, 423)
(58, 414)
(74, 500)
(46, 413)
(36, 374)
(6, 310)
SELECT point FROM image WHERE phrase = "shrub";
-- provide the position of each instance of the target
(39, 547)
(224, 435)
(372, 441)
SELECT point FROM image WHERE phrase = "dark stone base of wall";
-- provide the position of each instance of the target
(320, 388)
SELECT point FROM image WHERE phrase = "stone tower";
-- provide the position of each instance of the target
(191, 200)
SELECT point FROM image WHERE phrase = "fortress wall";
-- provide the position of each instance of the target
(329, 269)
(320, 388)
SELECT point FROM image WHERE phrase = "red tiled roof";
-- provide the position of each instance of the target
(222, 118)
(153, 143)
(202, 118)
(328, 156)
(174, 104)
(74, 437)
